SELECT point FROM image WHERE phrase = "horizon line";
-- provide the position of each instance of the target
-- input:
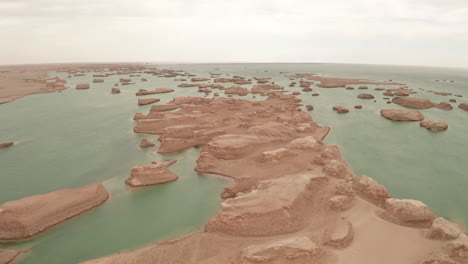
(220, 63)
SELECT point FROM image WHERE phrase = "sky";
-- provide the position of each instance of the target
(399, 32)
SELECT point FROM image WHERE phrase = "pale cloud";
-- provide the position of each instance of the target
(409, 32)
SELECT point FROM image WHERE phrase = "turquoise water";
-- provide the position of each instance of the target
(80, 137)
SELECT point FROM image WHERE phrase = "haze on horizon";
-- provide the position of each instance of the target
(401, 32)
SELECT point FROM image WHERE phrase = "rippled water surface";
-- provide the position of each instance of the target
(80, 137)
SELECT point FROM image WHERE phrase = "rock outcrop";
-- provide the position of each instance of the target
(98, 80)
(115, 90)
(434, 125)
(146, 143)
(24, 218)
(82, 86)
(148, 101)
(401, 115)
(444, 230)
(372, 191)
(244, 214)
(408, 210)
(153, 174)
(458, 248)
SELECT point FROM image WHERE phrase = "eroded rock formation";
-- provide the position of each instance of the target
(156, 173)
(293, 199)
(24, 218)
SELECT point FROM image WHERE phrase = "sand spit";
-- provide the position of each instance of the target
(334, 82)
(156, 173)
(294, 199)
(8, 255)
(7, 144)
(24, 218)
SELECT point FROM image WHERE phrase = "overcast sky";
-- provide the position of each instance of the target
(404, 32)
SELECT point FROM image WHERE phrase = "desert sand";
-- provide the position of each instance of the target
(19, 81)
(294, 199)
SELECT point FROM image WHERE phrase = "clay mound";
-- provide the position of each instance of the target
(24, 218)
(412, 102)
(6, 144)
(444, 106)
(146, 143)
(138, 116)
(434, 125)
(82, 86)
(401, 115)
(340, 235)
(366, 96)
(115, 90)
(294, 250)
(236, 89)
(282, 199)
(148, 101)
(98, 80)
(463, 106)
(8, 255)
(154, 174)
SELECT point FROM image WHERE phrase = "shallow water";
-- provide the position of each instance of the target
(80, 137)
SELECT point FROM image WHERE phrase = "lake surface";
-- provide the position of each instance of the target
(80, 137)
